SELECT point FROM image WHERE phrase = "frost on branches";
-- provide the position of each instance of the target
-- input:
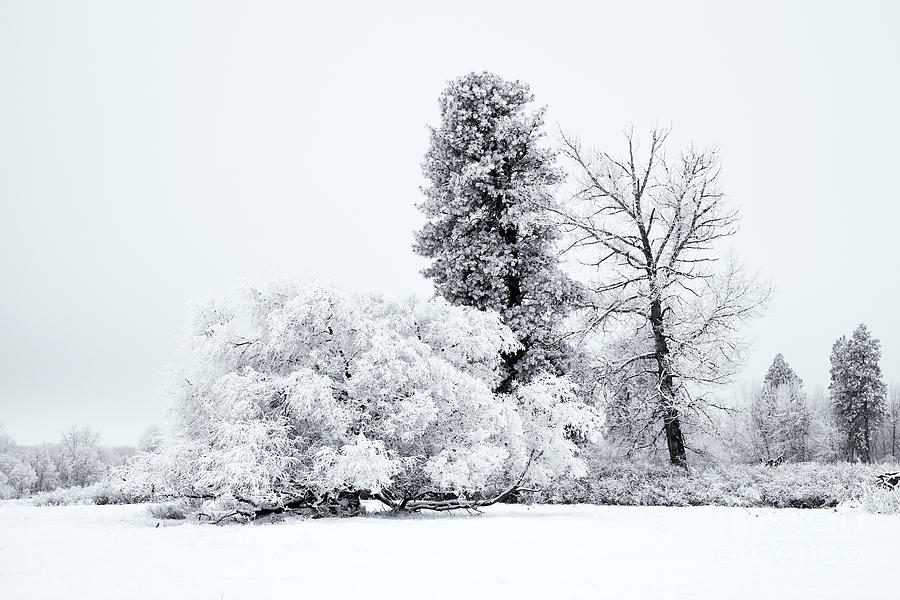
(491, 246)
(668, 309)
(297, 395)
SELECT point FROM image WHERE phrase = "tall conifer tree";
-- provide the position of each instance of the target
(490, 246)
(857, 390)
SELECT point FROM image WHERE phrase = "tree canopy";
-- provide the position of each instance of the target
(490, 245)
(295, 391)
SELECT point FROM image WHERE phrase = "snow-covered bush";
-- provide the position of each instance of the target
(6, 490)
(107, 491)
(176, 509)
(63, 497)
(17, 477)
(296, 393)
(797, 485)
(880, 500)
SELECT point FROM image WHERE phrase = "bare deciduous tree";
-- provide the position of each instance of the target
(6, 442)
(890, 432)
(81, 463)
(650, 230)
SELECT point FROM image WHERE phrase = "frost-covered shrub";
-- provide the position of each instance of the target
(174, 510)
(879, 500)
(298, 391)
(114, 490)
(108, 491)
(63, 497)
(800, 485)
(6, 490)
(17, 477)
(813, 485)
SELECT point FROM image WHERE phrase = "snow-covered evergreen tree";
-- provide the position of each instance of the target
(780, 416)
(490, 245)
(298, 392)
(781, 373)
(857, 390)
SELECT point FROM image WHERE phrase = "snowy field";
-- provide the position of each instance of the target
(549, 552)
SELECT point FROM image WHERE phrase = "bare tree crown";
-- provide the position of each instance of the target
(648, 229)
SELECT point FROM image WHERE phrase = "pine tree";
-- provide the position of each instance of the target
(781, 373)
(491, 249)
(780, 415)
(857, 390)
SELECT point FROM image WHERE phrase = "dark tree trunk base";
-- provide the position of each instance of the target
(890, 481)
(344, 504)
(675, 442)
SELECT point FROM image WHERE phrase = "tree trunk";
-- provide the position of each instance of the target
(765, 440)
(671, 418)
(867, 457)
(675, 441)
(509, 363)
(851, 448)
(894, 441)
(513, 282)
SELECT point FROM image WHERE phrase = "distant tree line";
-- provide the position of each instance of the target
(77, 459)
(858, 419)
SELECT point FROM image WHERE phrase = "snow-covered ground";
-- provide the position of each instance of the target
(97, 552)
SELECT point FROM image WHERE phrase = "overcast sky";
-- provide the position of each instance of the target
(152, 152)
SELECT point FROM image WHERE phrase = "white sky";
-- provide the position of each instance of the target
(157, 151)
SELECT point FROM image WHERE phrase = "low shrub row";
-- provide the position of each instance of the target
(799, 485)
(103, 492)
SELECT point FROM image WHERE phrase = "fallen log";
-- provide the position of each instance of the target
(442, 502)
(774, 462)
(889, 480)
(344, 504)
